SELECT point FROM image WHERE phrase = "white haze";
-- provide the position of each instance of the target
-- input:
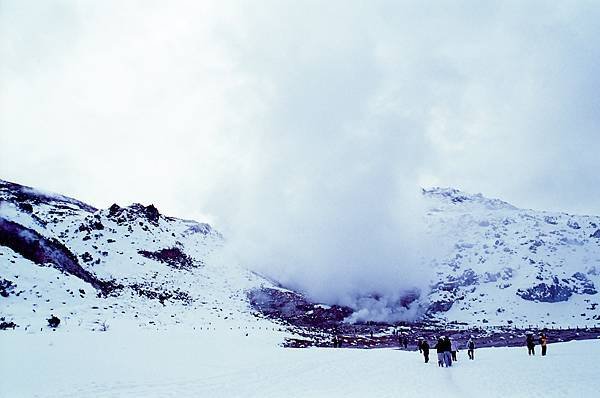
(304, 130)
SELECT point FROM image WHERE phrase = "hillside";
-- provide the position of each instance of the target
(123, 265)
(95, 269)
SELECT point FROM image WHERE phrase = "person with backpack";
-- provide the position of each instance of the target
(471, 349)
(424, 346)
(544, 343)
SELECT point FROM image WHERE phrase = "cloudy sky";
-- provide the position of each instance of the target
(262, 116)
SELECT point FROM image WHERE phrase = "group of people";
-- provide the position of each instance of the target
(530, 342)
(446, 350)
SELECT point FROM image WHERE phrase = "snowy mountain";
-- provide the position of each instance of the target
(135, 266)
(96, 268)
(506, 265)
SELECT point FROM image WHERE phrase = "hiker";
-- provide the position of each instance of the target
(471, 348)
(335, 342)
(453, 349)
(530, 344)
(439, 347)
(405, 342)
(543, 343)
(424, 346)
(447, 352)
(340, 341)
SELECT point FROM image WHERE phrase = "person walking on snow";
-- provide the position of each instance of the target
(425, 349)
(543, 343)
(530, 344)
(453, 349)
(447, 352)
(439, 347)
(471, 349)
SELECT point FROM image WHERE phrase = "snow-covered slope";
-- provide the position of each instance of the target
(98, 268)
(508, 265)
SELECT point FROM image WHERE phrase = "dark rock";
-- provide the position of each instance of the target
(586, 286)
(26, 207)
(439, 306)
(6, 287)
(152, 214)
(296, 309)
(546, 293)
(173, 257)
(53, 321)
(113, 210)
(7, 325)
(42, 251)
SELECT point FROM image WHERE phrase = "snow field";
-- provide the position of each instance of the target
(178, 363)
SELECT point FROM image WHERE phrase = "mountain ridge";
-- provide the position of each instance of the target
(500, 265)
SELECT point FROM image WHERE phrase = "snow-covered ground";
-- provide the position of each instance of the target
(183, 363)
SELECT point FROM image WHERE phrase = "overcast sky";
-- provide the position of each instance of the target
(295, 112)
(162, 101)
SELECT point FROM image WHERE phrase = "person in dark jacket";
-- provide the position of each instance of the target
(425, 348)
(447, 352)
(471, 348)
(544, 343)
(405, 342)
(439, 347)
(530, 344)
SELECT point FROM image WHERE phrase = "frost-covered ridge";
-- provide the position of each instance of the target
(131, 264)
(505, 265)
(497, 265)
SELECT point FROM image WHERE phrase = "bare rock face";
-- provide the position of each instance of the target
(41, 250)
(173, 257)
(296, 309)
(6, 287)
(546, 293)
(129, 214)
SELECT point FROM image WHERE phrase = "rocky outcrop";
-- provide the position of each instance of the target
(546, 293)
(173, 257)
(123, 215)
(296, 309)
(42, 251)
